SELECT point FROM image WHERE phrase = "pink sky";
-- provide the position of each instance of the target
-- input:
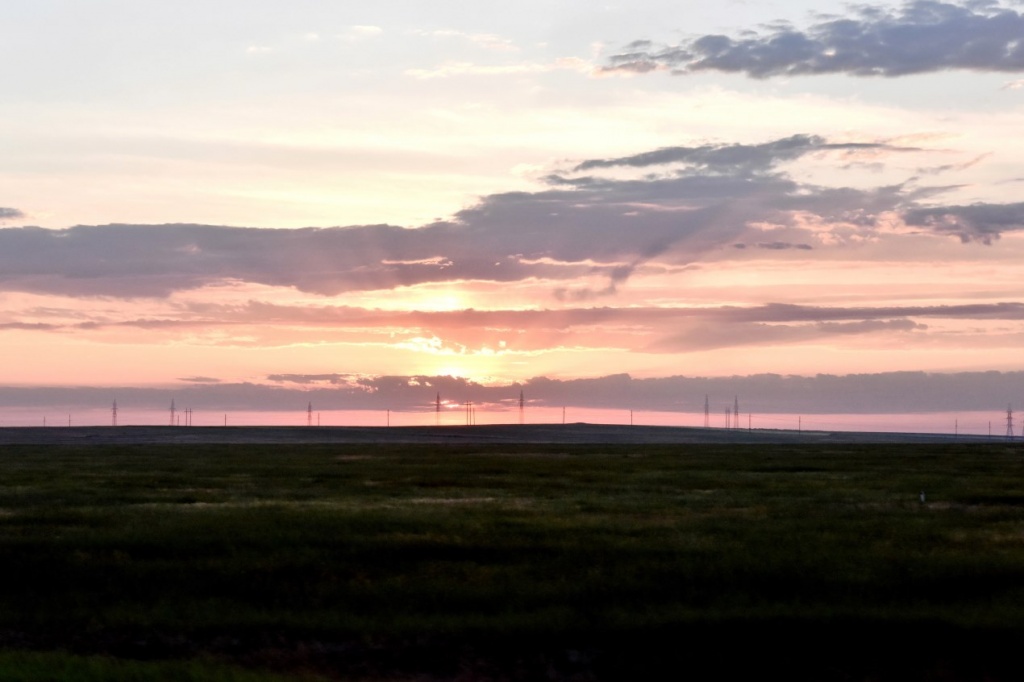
(608, 192)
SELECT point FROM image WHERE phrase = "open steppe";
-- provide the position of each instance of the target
(574, 433)
(267, 554)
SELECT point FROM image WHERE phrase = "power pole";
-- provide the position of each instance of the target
(522, 408)
(736, 412)
(707, 412)
(1009, 421)
(172, 411)
(113, 415)
(309, 414)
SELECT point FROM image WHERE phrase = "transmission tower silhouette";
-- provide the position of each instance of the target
(1009, 421)
(736, 412)
(707, 412)
(113, 415)
(522, 410)
(309, 414)
(172, 411)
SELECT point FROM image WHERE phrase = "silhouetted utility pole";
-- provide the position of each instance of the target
(1009, 421)
(113, 414)
(309, 414)
(172, 411)
(522, 408)
(707, 412)
(736, 413)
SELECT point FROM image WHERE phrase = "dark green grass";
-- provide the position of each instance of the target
(48, 667)
(384, 562)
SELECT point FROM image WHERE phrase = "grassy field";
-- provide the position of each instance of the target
(267, 562)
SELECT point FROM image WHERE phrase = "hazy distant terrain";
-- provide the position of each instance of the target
(530, 433)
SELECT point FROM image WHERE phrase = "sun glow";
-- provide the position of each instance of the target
(457, 371)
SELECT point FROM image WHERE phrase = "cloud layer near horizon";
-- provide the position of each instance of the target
(761, 394)
(922, 36)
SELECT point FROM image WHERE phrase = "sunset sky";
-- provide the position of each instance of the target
(249, 202)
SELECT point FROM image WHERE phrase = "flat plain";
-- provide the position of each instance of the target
(265, 559)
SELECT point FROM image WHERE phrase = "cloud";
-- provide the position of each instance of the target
(657, 330)
(488, 41)
(585, 224)
(975, 223)
(776, 246)
(921, 37)
(706, 337)
(760, 394)
(365, 31)
(10, 213)
(736, 157)
(464, 68)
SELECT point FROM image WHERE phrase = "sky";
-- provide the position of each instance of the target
(816, 207)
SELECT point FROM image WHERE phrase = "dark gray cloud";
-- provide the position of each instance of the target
(922, 36)
(10, 213)
(735, 158)
(579, 226)
(975, 223)
(761, 394)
